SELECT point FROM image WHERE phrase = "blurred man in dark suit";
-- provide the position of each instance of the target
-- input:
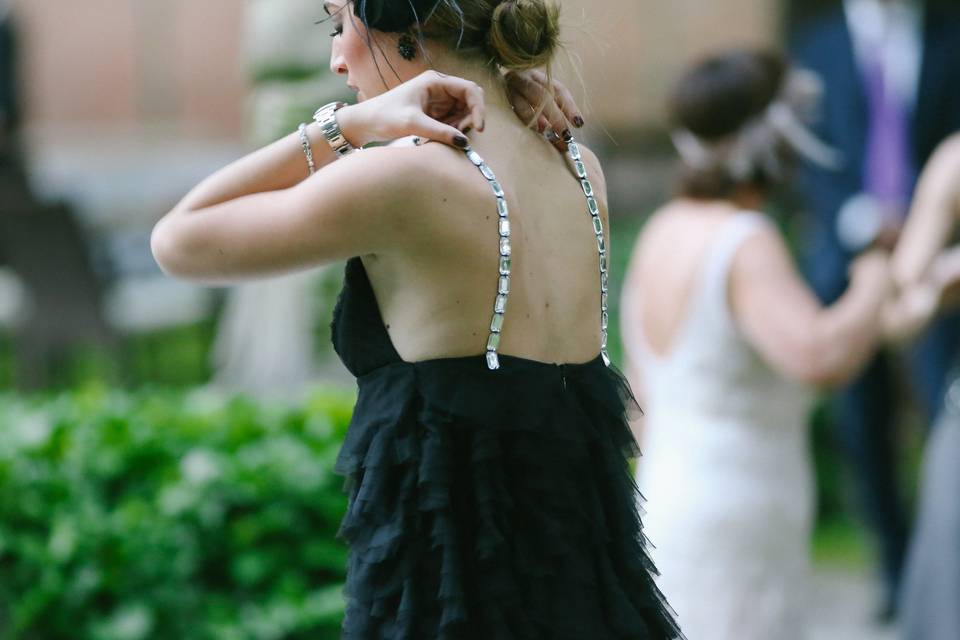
(8, 100)
(891, 74)
(13, 179)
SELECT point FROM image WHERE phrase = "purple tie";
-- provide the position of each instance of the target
(887, 166)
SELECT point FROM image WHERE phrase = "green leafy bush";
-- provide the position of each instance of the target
(165, 515)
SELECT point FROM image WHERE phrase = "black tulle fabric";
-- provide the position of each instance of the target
(488, 505)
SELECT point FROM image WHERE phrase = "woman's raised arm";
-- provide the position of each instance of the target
(926, 275)
(933, 216)
(261, 215)
(786, 324)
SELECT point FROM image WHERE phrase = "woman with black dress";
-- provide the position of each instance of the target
(487, 458)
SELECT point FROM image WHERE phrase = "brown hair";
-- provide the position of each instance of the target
(715, 100)
(512, 34)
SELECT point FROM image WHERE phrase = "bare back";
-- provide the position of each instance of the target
(666, 267)
(436, 293)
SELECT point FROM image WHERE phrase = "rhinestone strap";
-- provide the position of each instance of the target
(593, 208)
(503, 283)
(503, 226)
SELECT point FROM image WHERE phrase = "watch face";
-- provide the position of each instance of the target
(859, 222)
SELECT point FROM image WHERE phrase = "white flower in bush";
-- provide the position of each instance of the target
(30, 429)
(200, 466)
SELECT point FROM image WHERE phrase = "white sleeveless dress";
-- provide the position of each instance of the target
(726, 469)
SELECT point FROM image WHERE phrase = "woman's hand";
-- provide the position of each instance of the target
(528, 90)
(945, 275)
(431, 105)
(873, 266)
(909, 314)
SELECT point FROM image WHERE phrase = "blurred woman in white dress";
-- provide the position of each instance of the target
(725, 340)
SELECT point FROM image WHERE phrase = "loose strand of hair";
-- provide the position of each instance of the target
(370, 46)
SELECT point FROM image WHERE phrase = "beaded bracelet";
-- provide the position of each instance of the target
(307, 149)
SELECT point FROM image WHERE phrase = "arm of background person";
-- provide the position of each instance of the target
(782, 319)
(933, 216)
(927, 277)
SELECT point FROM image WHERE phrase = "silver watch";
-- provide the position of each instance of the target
(326, 118)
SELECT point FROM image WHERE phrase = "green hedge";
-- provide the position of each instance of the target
(165, 515)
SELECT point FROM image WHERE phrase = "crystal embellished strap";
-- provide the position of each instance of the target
(503, 226)
(593, 208)
(503, 283)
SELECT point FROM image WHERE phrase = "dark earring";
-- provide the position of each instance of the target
(407, 47)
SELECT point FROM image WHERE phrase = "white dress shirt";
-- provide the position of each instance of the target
(896, 27)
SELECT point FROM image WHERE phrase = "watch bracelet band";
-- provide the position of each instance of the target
(326, 119)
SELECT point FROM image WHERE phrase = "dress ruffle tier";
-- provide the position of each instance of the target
(496, 506)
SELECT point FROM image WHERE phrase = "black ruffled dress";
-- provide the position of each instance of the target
(488, 505)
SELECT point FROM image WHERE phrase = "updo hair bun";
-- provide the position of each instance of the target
(722, 93)
(524, 34)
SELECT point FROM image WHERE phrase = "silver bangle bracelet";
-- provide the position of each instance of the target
(307, 149)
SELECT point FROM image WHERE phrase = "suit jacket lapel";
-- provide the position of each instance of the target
(846, 94)
(933, 68)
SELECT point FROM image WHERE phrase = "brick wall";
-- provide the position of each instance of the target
(133, 63)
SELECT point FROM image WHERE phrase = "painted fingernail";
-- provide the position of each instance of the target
(578, 122)
(567, 136)
(552, 135)
(461, 141)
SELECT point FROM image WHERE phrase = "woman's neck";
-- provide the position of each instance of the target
(742, 199)
(747, 197)
(492, 83)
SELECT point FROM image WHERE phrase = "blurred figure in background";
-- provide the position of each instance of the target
(891, 70)
(8, 105)
(726, 337)
(9, 102)
(925, 274)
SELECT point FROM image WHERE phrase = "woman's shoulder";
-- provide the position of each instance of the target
(680, 223)
(594, 170)
(761, 250)
(424, 190)
(434, 177)
(417, 167)
(409, 178)
(590, 157)
(403, 161)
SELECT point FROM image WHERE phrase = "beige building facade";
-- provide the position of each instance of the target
(633, 50)
(122, 64)
(182, 64)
